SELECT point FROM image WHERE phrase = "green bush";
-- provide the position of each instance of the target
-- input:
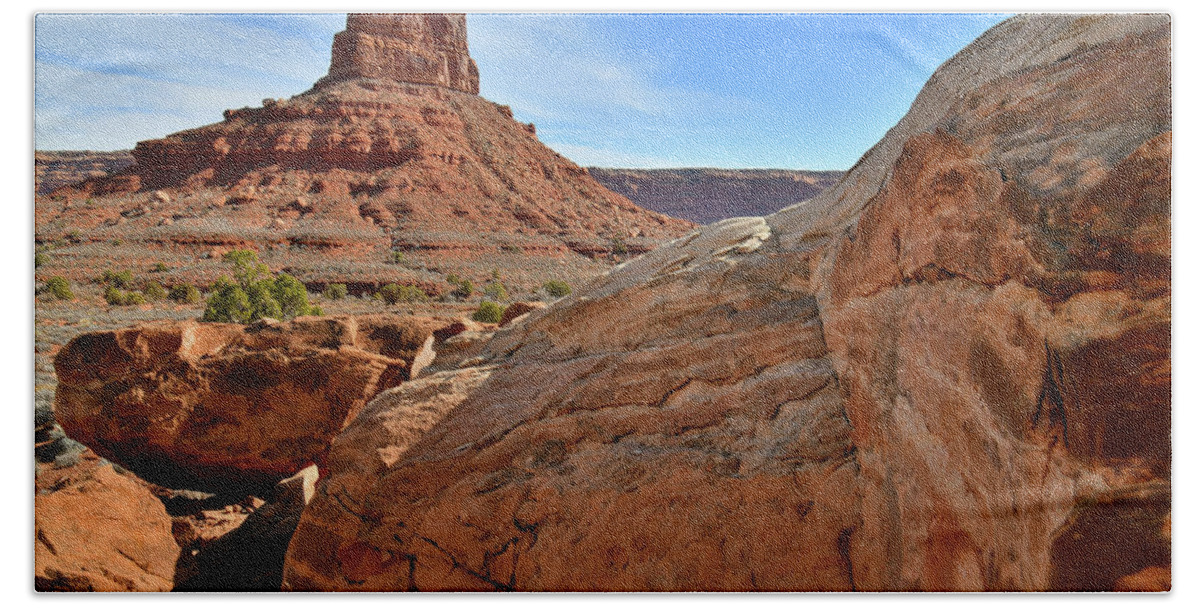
(396, 257)
(263, 304)
(59, 288)
(227, 304)
(247, 270)
(121, 280)
(114, 296)
(291, 295)
(185, 294)
(489, 312)
(254, 294)
(160, 267)
(394, 294)
(557, 289)
(316, 311)
(334, 291)
(39, 258)
(496, 291)
(462, 287)
(134, 298)
(618, 246)
(154, 291)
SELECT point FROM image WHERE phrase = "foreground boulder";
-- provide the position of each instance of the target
(99, 530)
(228, 408)
(949, 372)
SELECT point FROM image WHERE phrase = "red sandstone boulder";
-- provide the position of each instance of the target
(99, 530)
(950, 372)
(225, 408)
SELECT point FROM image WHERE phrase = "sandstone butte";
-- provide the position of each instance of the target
(227, 408)
(949, 372)
(393, 150)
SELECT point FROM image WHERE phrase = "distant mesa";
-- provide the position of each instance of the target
(393, 150)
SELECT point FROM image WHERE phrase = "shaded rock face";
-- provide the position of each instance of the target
(250, 556)
(416, 48)
(392, 151)
(99, 530)
(228, 408)
(949, 372)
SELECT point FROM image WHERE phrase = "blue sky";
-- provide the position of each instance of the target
(801, 91)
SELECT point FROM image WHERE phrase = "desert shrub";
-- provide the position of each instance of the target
(334, 291)
(227, 304)
(462, 287)
(114, 296)
(160, 267)
(396, 257)
(247, 269)
(154, 291)
(316, 311)
(618, 246)
(557, 289)
(185, 294)
(117, 242)
(134, 298)
(394, 294)
(254, 294)
(39, 258)
(291, 295)
(59, 288)
(496, 291)
(489, 312)
(263, 304)
(120, 279)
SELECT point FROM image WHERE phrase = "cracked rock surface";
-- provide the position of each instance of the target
(950, 372)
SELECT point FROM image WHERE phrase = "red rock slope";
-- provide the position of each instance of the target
(391, 150)
(950, 372)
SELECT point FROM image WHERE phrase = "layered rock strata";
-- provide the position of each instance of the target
(392, 151)
(949, 372)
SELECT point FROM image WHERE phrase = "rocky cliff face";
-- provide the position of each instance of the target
(391, 151)
(705, 196)
(417, 48)
(949, 372)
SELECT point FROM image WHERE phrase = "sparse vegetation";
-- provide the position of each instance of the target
(618, 246)
(227, 304)
(496, 291)
(120, 279)
(556, 288)
(394, 294)
(59, 288)
(154, 291)
(185, 294)
(254, 294)
(39, 259)
(463, 288)
(118, 297)
(396, 257)
(488, 312)
(334, 291)
(160, 267)
(117, 242)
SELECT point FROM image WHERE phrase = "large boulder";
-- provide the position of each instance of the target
(949, 372)
(97, 529)
(228, 408)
